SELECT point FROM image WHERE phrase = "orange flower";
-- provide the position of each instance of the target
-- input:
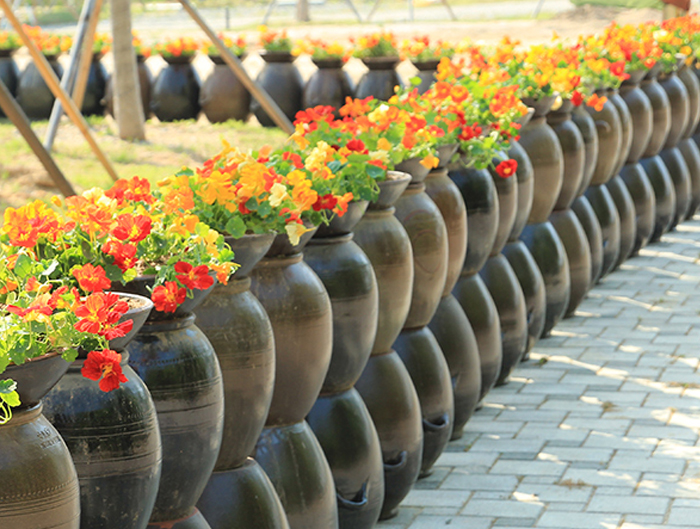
(167, 297)
(597, 102)
(91, 278)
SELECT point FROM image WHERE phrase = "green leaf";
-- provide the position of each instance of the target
(7, 386)
(235, 227)
(23, 266)
(374, 172)
(113, 273)
(416, 81)
(12, 399)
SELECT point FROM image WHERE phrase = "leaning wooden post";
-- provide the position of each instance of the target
(15, 114)
(266, 102)
(53, 83)
(68, 80)
(86, 57)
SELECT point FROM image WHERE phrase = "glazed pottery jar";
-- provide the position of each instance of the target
(95, 89)
(282, 81)
(327, 86)
(9, 73)
(175, 94)
(223, 96)
(33, 95)
(380, 78)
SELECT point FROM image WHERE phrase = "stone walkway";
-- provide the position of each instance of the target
(599, 430)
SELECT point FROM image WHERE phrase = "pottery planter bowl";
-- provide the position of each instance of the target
(426, 74)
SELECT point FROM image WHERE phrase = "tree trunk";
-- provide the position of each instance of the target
(128, 108)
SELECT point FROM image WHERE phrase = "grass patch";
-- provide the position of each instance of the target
(169, 146)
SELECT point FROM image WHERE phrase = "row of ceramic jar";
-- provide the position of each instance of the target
(345, 370)
(177, 92)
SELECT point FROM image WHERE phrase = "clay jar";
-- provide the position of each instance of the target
(416, 344)
(501, 281)
(385, 385)
(519, 257)
(238, 328)
(33, 95)
(223, 96)
(450, 324)
(119, 481)
(34, 458)
(671, 155)
(380, 78)
(9, 73)
(688, 148)
(544, 150)
(426, 74)
(563, 219)
(339, 418)
(175, 94)
(179, 366)
(618, 191)
(282, 81)
(610, 138)
(145, 82)
(479, 194)
(632, 173)
(327, 86)
(589, 133)
(93, 104)
(300, 313)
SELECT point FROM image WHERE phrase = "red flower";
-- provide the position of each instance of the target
(104, 366)
(132, 228)
(124, 254)
(470, 132)
(507, 168)
(294, 158)
(356, 146)
(193, 277)
(577, 98)
(167, 297)
(100, 313)
(91, 278)
(325, 202)
(618, 69)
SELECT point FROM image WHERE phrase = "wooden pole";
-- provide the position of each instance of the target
(68, 80)
(15, 113)
(52, 82)
(86, 57)
(266, 102)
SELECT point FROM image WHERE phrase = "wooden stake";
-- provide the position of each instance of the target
(266, 102)
(86, 58)
(15, 113)
(52, 82)
(69, 76)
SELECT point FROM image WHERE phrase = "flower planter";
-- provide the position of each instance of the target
(238, 328)
(145, 83)
(654, 167)
(519, 257)
(282, 81)
(632, 173)
(175, 94)
(564, 221)
(450, 325)
(689, 149)
(416, 345)
(587, 128)
(95, 88)
(610, 141)
(380, 79)
(621, 196)
(543, 147)
(179, 366)
(426, 74)
(502, 282)
(34, 458)
(33, 95)
(339, 418)
(9, 74)
(479, 194)
(223, 96)
(385, 385)
(300, 313)
(329, 85)
(671, 155)
(119, 481)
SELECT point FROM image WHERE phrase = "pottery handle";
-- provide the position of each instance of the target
(396, 464)
(358, 501)
(438, 425)
(603, 127)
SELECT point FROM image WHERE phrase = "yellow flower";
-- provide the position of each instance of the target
(295, 231)
(278, 193)
(430, 161)
(383, 144)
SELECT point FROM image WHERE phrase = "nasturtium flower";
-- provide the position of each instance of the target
(193, 277)
(167, 297)
(507, 168)
(91, 278)
(105, 367)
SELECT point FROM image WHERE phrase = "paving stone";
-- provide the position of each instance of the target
(461, 480)
(529, 468)
(627, 504)
(581, 520)
(450, 522)
(503, 508)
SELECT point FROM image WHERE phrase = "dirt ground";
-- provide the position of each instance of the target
(170, 146)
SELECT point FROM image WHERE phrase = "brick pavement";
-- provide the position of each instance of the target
(600, 428)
